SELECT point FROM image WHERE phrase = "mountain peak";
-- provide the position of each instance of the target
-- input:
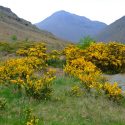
(61, 13)
(70, 26)
(66, 13)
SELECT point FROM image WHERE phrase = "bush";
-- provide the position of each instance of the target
(3, 103)
(21, 72)
(55, 59)
(85, 42)
(76, 91)
(30, 118)
(40, 88)
(109, 57)
(72, 52)
(113, 91)
(84, 68)
(14, 37)
(86, 71)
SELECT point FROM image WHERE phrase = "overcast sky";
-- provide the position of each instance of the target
(36, 10)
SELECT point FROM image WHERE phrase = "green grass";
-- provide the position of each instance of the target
(56, 63)
(62, 109)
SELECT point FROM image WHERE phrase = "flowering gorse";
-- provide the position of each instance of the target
(113, 91)
(21, 72)
(83, 64)
(109, 57)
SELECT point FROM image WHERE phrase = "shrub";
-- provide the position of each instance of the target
(14, 37)
(3, 103)
(30, 118)
(55, 60)
(37, 50)
(40, 88)
(76, 91)
(16, 70)
(85, 42)
(109, 57)
(85, 69)
(87, 72)
(72, 52)
(112, 91)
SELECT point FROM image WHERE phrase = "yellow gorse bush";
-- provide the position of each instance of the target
(86, 71)
(107, 56)
(72, 52)
(40, 88)
(18, 69)
(76, 91)
(112, 91)
(38, 50)
(54, 55)
(21, 71)
(82, 64)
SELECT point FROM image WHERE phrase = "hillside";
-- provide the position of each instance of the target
(113, 32)
(70, 26)
(11, 25)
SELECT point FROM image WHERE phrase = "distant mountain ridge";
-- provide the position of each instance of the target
(113, 32)
(69, 26)
(11, 24)
(7, 16)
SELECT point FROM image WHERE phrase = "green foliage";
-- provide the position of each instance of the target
(56, 63)
(76, 91)
(14, 37)
(85, 42)
(3, 103)
(12, 47)
(5, 47)
(31, 119)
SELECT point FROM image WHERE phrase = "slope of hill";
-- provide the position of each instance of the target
(70, 26)
(11, 25)
(113, 32)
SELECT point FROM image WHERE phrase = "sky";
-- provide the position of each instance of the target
(106, 11)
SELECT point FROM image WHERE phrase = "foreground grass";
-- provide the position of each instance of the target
(62, 109)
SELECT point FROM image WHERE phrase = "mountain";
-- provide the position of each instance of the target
(11, 25)
(70, 26)
(113, 32)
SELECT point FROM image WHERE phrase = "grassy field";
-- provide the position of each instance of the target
(62, 109)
